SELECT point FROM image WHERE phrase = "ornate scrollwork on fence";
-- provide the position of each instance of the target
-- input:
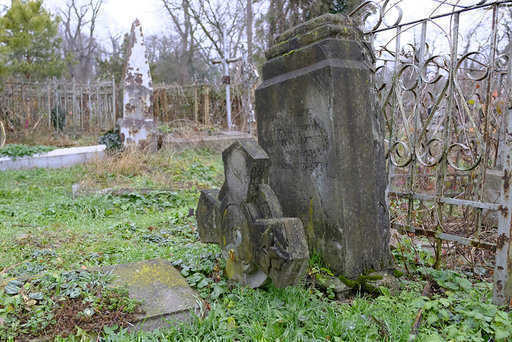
(424, 128)
(444, 85)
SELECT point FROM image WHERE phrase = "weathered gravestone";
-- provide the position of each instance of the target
(318, 122)
(137, 128)
(246, 220)
(164, 293)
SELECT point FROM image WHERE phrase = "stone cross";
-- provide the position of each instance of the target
(137, 128)
(246, 220)
(318, 122)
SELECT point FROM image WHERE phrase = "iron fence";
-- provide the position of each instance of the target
(444, 85)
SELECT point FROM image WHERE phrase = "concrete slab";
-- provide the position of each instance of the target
(63, 157)
(164, 293)
(218, 142)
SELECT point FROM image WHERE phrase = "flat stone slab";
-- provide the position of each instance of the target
(59, 158)
(165, 295)
(217, 142)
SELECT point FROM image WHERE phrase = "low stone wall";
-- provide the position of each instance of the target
(218, 142)
(64, 157)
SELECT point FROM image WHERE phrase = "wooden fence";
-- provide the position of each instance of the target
(57, 105)
(90, 108)
(200, 103)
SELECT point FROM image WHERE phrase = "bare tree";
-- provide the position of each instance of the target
(179, 12)
(79, 26)
(203, 23)
(249, 25)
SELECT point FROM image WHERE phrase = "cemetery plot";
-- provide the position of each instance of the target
(54, 242)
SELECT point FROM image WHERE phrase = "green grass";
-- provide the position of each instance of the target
(46, 231)
(15, 151)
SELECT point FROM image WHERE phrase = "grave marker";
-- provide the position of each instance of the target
(137, 128)
(164, 294)
(245, 219)
(318, 122)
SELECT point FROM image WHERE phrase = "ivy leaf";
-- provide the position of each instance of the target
(12, 288)
(464, 284)
(501, 333)
(218, 290)
(203, 283)
(185, 271)
(36, 296)
(195, 278)
(74, 293)
(433, 338)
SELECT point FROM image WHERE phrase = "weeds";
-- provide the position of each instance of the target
(52, 305)
(47, 234)
(16, 151)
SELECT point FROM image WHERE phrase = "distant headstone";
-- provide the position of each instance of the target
(246, 220)
(137, 128)
(164, 293)
(318, 121)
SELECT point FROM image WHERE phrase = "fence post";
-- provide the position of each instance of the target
(73, 112)
(196, 104)
(114, 111)
(207, 105)
(503, 271)
(49, 106)
(503, 268)
(98, 107)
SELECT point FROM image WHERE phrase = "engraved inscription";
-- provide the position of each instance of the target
(303, 142)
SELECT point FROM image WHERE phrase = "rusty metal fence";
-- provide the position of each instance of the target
(444, 84)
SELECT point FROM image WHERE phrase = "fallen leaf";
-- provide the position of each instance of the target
(31, 302)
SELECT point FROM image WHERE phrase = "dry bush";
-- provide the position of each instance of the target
(53, 139)
(114, 170)
(165, 169)
(187, 129)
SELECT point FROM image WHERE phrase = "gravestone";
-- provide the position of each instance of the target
(246, 220)
(318, 122)
(137, 128)
(164, 293)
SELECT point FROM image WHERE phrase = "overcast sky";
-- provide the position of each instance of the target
(117, 15)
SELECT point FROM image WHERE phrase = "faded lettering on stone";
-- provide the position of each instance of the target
(303, 141)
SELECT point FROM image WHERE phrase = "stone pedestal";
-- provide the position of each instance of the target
(137, 128)
(318, 122)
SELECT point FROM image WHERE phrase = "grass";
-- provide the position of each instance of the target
(15, 151)
(47, 231)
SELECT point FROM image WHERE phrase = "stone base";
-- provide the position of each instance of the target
(138, 133)
(218, 142)
(164, 293)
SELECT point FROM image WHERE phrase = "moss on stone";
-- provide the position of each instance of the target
(398, 273)
(289, 53)
(146, 273)
(362, 283)
(350, 283)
